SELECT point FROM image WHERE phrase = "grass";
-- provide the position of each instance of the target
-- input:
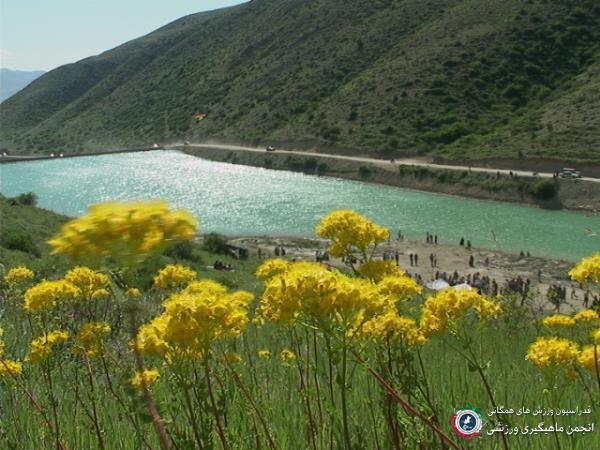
(458, 79)
(297, 404)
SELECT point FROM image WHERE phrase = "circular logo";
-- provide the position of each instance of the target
(467, 423)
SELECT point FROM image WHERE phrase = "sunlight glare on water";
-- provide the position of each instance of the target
(241, 200)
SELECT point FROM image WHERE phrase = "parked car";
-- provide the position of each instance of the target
(569, 173)
(270, 148)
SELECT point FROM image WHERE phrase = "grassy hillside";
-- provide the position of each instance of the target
(459, 79)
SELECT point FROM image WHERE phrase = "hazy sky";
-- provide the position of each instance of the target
(44, 34)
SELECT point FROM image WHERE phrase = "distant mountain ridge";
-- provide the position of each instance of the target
(457, 79)
(12, 81)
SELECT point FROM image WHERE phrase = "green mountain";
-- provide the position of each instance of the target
(458, 79)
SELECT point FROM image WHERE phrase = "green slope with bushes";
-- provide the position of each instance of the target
(457, 79)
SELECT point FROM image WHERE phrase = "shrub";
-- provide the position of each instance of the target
(322, 168)
(28, 199)
(216, 244)
(310, 165)
(184, 250)
(364, 172)
(544, 189)
(18, 239)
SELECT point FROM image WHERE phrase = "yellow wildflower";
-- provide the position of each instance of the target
(586, 358)
(286, 357)
(348, 230)
(173, 276)
(264, 354)
(133, 292)
(270, 268)
(596, 336)
(192, 320)
(558, 320)
(549, 352)
(376, 270)
(449, 305)
(89, 338)
(205, 286)
(391, 326)
(586, 315)
(587, 270)
(398, 287)
(41, 347)
(125, 231)
(100, 293)
(9, 367)
(88, 281)
(145, 378)
(321, 296)
(232, 357)
(46, 293)
(18, 275)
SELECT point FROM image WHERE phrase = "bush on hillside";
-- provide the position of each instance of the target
(216, 244)
(544, 189)
(18, 239)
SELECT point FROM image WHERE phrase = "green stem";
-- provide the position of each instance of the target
(346, 429)
(220, 430)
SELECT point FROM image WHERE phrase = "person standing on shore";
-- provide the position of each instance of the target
(416, 259)
(462, 241)
(471, 261)
(411, 259)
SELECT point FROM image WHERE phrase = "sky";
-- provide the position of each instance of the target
(45, 34)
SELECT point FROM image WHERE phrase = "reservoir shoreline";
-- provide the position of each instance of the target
(573, 195)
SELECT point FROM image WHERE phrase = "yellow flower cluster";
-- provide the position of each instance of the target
(126, 231)
(596, 336)
(9, 367)
(587, 270)
(173, 276)
(192, 320)
(377, 270)
(264, 354)
(393, 327)
(558, 320)
(90, 283)
(133, 292)
(586, 358)
(347, 230)
(89, 339)
(587, 315)
(46, 293)
(271, 267)
(286, 357)
(312, 292)
(18, 275)
(552, 352)
(146, 377)
(41, 347)
(312, 289)
(449, 305)
(232, 357)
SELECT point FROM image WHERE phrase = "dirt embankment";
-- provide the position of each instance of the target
(572, 194)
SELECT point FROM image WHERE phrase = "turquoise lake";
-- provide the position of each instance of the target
(241, 200)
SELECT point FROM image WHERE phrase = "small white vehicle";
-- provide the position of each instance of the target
(270, 148)
(569, 173)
